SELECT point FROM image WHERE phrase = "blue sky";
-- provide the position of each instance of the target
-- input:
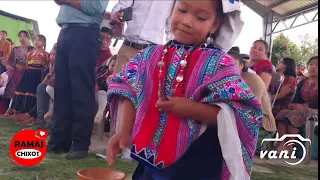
(45, 13)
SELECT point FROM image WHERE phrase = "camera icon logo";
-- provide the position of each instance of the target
(284, 154)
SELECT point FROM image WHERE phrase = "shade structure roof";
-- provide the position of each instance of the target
(280, 8)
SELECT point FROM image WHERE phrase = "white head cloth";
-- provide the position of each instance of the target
(232, 25)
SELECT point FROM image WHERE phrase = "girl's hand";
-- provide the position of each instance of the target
(178, 106)
(116, 145)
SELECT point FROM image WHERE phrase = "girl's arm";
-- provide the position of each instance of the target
(11, 60)
(289, 84)
(127, 117)
(205, 113)
(186, 108)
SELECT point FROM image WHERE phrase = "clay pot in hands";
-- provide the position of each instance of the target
(101, 174)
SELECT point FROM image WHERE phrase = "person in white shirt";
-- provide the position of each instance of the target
(149, 21)
(4, 79)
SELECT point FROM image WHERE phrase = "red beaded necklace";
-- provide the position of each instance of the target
(181, 75)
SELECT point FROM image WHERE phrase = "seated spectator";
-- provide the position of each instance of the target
(257, 86)
(260, 62)
(4, 79)
(17, 60)
(5, 48)
(287, 67)
(102, 74)
(11, 42)
(45, 95)
(104, 69)
(300, 72)
(303, 106)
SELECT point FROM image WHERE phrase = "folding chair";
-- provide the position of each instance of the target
(276, 82)
(310, 127)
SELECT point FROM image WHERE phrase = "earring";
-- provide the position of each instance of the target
(209, 40)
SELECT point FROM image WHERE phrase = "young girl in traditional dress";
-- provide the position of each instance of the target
(25, 101)
(17, 60)
(184, 105)
(102, 74)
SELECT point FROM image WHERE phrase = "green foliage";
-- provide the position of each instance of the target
(300, 52)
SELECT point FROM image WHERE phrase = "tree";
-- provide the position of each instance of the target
(301, 52)
(308, 47)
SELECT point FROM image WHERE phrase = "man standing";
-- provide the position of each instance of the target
(78, 49)
(5, 49)
(149, 21)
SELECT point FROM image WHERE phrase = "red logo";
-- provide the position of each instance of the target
(28, 147)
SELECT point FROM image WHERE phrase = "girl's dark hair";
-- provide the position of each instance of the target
(5, 32)
(25, 33)
(314, 57)
(265, 44)
(8, 39)
(236, 56)
(290, 67)
(107, 30)
(43, 39)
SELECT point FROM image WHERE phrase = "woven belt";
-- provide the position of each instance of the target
(135, 45)
(94, 26)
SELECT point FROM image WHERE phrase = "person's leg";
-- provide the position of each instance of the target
(60, 138)
(84, 53)
(282, 129)
(42, 105)
(50, 91)
(292, 130)
(101, 98)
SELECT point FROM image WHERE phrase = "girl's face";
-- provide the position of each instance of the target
(313, 68)
(23, 38)
(193, 21)
(281, 67)
(38, 43)
(258, 51)
(52, 55)
(112, 65)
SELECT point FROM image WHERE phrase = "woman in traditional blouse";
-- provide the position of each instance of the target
(259, 61)
(303, 106)
(287, 67)
(17, 60)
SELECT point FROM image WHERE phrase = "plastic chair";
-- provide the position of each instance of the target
(276, 82)
(310, 127)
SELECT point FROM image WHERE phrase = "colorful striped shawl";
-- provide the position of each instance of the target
(215, 78)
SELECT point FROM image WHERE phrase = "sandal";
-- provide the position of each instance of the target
(8, 113)
(15, 117)
(30, 121)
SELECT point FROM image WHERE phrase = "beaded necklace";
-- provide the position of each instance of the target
(163, 62)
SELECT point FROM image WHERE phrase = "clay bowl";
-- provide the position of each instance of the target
(101, 174)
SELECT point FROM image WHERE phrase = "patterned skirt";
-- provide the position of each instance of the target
(296, 117)
(25, 100)
(13, 82)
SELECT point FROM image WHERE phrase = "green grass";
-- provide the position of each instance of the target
(281, 172)
(55, 167)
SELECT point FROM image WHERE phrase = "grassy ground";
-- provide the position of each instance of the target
(55, 167)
